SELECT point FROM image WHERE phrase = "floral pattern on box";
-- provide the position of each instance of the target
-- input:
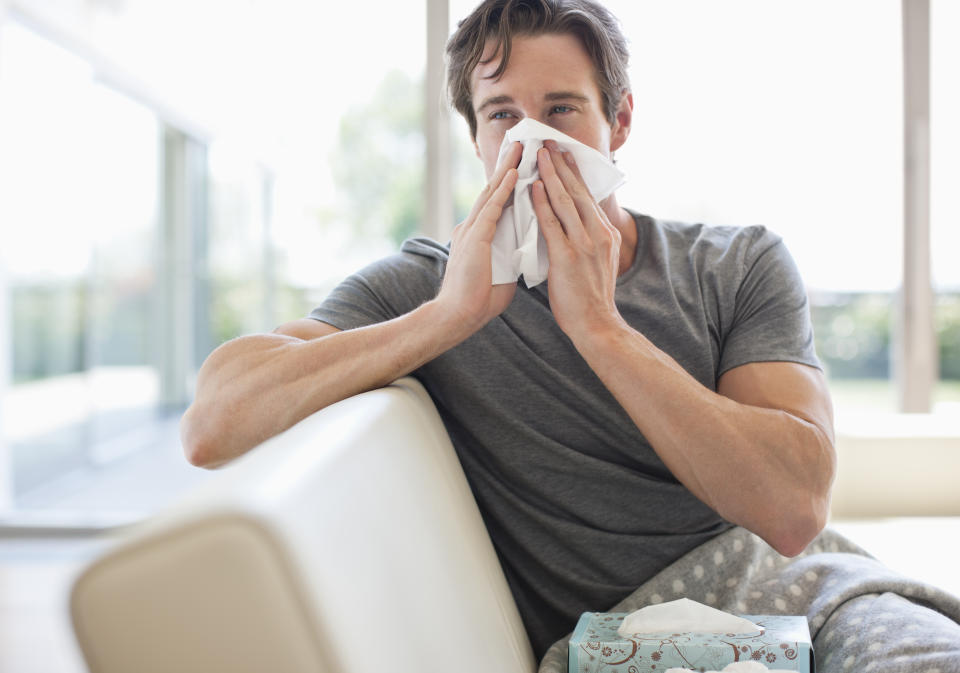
(782, 643)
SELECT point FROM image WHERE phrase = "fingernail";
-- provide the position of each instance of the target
(569, 157)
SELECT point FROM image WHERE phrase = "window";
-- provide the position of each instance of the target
(148, 215)
(348, 157)
(751, 112)
(153, 216)
(78, 165)
(945, 199)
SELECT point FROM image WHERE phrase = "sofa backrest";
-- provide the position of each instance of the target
(349, 544)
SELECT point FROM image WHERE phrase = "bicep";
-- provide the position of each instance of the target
(247, 352)
(306, 329)
(798, 389)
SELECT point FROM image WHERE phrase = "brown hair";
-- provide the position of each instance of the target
(502, 20)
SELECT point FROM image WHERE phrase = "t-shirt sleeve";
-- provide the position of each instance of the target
(771, 316)
(385, 289)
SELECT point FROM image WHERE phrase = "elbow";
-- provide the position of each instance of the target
(802, 517)
(197, 439)
(797, 527)
(794, 540)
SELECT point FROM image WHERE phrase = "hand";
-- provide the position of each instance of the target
(468, 282)
(582, 245)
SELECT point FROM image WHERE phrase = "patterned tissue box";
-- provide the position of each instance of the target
(596, 647)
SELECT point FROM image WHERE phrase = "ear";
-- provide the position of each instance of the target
(621, 123)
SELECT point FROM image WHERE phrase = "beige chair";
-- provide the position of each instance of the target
(349, 544)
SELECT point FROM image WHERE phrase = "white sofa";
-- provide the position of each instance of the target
(349, 544)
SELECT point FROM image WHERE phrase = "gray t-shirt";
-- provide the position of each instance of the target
(580, 508)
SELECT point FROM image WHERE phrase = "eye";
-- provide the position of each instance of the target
(560, 109)
(500, 114)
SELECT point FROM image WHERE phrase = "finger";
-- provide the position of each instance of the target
(567, 170)
(560, 200)
(572, 179)
(491, 210)
(513, 156)
(510, 160)
(550, 225)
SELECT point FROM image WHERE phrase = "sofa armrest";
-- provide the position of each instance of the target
(349, 543)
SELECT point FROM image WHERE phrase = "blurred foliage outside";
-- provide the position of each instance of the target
(51, 328)
(853, 334)
(379, 164)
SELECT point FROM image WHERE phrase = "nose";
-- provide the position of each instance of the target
(542, 120)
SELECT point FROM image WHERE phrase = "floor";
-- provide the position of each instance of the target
(57, 529)
(35, 579)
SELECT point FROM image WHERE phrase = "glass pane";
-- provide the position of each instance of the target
(349, 170)
(316, 168)
(121, 362)
(945, 197)
(738, 121)
(78, 166)
(468, 175)
(237, 258)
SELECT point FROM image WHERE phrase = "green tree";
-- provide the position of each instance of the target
(948, 335)
(378, 163)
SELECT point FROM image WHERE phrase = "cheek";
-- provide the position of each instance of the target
(598, 140)
(488, 148)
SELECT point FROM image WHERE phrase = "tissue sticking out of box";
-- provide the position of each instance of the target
(684, 616)
(738, 667)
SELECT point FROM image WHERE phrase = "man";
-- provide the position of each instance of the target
(658, 389)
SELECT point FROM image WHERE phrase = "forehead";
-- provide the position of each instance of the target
(551, 62)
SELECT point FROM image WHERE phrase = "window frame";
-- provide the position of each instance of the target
(915, 356)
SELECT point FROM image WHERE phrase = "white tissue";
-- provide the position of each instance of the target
(518, 246)
(736, 667)
(684, 616)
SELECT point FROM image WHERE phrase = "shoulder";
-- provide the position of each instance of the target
(387, 288)
(425, 250)
(728, 251)
(418, 258)
(714, 242)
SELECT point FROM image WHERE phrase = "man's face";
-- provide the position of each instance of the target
(549, 78)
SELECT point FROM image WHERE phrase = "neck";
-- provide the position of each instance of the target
(624, 223)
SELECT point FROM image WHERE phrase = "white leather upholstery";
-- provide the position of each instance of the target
(349, 544)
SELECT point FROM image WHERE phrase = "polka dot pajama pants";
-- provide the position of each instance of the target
(863, 617)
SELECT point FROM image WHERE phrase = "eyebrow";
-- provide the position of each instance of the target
(552, 96)
(494, 100)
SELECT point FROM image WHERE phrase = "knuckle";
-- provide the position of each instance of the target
(550, 220)
(564, 199)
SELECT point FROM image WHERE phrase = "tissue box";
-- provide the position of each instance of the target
(783, 643)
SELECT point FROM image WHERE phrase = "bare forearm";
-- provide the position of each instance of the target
(255, 387)
(767, 469)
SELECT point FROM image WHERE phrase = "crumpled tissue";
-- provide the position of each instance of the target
(683, 616)
(518, 245)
